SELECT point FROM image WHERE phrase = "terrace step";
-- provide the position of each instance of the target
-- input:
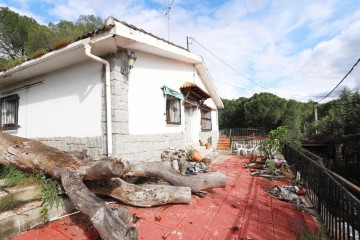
(26, 216)
(223, 144)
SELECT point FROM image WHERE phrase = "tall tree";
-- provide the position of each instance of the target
(265, 110)
(14, 33)
(292, 118)
(89, 23)
(70, 30)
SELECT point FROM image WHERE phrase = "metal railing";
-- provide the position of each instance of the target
(246, 135)
(243, 132)
(337, 208)
(247, 132)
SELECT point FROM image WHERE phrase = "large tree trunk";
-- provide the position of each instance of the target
(111, 224)
(170, 175)
(34, 156)
(72, 170)
(146, 195)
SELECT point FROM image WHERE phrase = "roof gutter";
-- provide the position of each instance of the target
(88, 47)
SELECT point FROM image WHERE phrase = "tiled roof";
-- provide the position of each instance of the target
(194, 91)
(150, 34)
(89, 34)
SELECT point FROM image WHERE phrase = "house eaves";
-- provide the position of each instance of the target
(114, 35)
(209, 84)
(130, 37)
(69, 55)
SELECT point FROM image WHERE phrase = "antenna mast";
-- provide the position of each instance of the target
(167, 13)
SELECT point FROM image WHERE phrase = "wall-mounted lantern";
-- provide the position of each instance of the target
(125, 70)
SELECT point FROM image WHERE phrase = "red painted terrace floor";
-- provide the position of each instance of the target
(243, 210)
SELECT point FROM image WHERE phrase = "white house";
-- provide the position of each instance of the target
(75, 97)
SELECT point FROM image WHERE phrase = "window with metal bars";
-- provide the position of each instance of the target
(9, 107)
(206, 120)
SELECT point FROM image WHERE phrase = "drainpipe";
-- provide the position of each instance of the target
(107, 95)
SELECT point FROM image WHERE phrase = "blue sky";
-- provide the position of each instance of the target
(297, 49)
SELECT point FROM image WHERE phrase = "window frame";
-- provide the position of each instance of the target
(12, 102)
(204, 111)
(168, 119)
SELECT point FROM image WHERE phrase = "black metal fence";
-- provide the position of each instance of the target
(247, 132)
(337, 208)
(243, 132)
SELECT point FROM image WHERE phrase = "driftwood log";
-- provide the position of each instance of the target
(170, 175)
(33, 156)
(111, 224)
(144, 195)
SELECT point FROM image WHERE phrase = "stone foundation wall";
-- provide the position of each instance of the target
(94, 145)
(147, 148)
(214, 135)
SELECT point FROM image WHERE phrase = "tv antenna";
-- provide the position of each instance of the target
(167, 13)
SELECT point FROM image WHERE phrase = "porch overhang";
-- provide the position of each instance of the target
(194, 95)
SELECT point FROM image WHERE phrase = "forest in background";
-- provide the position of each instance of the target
(22, 38)
(338, 121)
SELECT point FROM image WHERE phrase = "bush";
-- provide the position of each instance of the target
(38, 53)
(60, 43)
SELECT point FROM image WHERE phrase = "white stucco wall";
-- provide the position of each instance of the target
(147, 103)
(67, 103)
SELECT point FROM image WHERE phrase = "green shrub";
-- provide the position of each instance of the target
(49, 195)
(12, 62)
(49, 188)
(60, 43)
(38, 53)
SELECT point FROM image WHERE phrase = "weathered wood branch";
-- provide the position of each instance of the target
(111, 224)
(146, 195)
(168, 174)
(34, 156)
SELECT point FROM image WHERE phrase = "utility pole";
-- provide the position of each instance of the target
(316, 116)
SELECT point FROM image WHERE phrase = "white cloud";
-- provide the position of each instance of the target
(293, 48)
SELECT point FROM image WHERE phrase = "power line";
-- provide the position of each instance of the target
(341, 80)
(254, 90)
(232, 68)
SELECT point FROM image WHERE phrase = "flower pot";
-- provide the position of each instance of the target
(196, 156)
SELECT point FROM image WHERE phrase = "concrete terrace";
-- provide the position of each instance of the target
(243, 210)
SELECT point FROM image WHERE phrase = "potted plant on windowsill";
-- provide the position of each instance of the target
(193, 154)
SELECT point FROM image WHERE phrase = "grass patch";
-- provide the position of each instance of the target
(50, 189)
(38, 53)
(9, 202)
(309, 235)
(61, 43)
(15, 177)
